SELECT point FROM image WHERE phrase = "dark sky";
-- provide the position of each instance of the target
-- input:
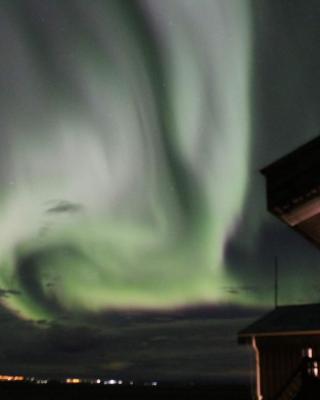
(134, 236)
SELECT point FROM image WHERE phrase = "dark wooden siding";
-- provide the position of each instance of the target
(280, 356)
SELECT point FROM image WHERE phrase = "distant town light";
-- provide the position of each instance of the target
(41, 381)
(13, 378)
(73, 380)
(315, 369)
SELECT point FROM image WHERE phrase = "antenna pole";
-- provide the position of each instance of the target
(276, 282)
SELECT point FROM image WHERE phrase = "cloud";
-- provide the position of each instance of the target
(181, 349)
(9, 292)
(79, 339)
(42, 322)
(118, 365)
(240, 289)
(63, 206)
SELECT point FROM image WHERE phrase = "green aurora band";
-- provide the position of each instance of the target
(125, 152)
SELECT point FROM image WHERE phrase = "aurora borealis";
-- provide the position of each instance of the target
(132, 133)
(120, 121)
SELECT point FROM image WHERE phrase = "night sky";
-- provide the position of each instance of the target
(134, 236)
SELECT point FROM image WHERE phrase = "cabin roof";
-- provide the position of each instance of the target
(296, 159)
(293, 190)
(285, 320)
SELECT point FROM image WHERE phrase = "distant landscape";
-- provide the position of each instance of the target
(55, 390)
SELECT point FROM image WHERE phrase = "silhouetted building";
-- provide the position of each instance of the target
(293, 189)
(286, 342)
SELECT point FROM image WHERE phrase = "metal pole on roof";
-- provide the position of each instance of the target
(276, 282)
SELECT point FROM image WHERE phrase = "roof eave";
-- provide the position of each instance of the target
(247, 337)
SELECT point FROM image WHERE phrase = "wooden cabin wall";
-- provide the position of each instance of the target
(279, 357)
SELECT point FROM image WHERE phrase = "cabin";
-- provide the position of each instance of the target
(286, 342)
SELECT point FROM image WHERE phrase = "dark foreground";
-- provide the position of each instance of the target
(58, 391)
